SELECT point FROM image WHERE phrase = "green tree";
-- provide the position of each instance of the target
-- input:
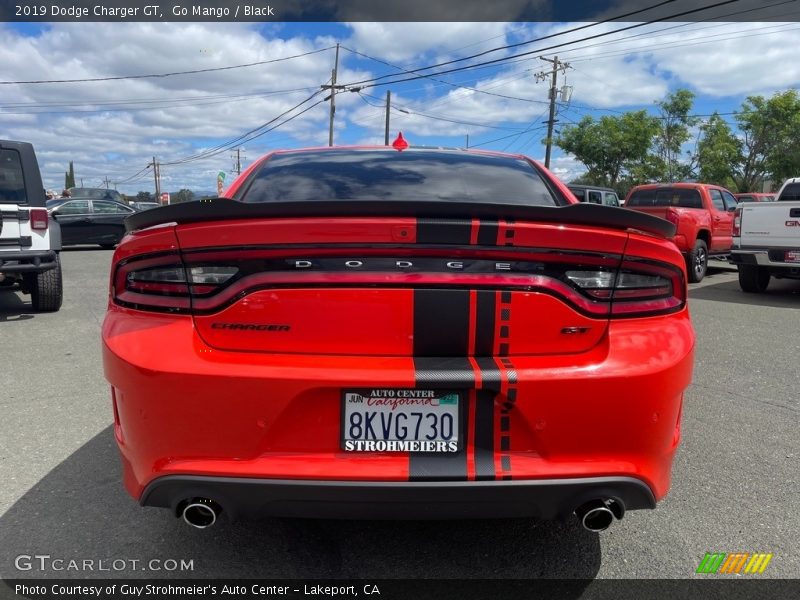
(611, 148)
(183, 195)
(675, 123)
(69, 177)
(719, 153)
(144, 197)
(770, 130)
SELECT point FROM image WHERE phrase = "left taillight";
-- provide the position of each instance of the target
(737, 222)
(163, 283)
(39, 219)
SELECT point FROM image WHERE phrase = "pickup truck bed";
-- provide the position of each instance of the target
(701, 213)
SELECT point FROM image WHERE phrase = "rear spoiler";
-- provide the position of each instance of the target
(220, 209)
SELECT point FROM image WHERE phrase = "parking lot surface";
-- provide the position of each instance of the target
(735, 481)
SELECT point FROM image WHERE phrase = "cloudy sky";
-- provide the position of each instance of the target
(112, 128)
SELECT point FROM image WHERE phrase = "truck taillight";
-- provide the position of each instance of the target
(39, 219)
(737, 222)
(672, 217)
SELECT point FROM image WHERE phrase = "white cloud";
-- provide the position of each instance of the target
(174, 117)
(409, 42)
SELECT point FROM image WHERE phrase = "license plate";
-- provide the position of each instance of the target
(400, 420)
(792, 256)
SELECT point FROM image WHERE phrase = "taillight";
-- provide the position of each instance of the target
(164, 284)
(672, 217)
(637, 289)
(39, 219)
(737, 222)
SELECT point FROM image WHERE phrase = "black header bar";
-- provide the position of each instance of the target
(43, 11)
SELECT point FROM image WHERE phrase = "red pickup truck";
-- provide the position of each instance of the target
(702, 214)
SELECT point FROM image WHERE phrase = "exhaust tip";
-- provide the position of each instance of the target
(201, 513)
(597, 515)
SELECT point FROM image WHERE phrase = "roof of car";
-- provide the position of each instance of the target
(688, 185)
(590, 187)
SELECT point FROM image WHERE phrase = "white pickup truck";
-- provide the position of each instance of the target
(766, 239)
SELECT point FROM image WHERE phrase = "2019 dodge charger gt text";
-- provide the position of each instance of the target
(363, 332)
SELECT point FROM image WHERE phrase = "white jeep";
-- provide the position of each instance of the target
(30, 239)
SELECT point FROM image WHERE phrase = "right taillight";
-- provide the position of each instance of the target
(737, 222)
(639, 288)
(39, 219)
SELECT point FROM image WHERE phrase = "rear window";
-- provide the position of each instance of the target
(12, 183)
(681, 197)
(746, 198)
(579, 194)
(790, 192)
(414, 175)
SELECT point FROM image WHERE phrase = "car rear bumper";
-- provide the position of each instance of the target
(254, 498)
(247, 420)
(28, 261)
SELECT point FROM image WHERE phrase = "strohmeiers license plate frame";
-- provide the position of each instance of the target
(791, 256)
(413, 446)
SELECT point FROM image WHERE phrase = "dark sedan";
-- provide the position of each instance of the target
(85, 221)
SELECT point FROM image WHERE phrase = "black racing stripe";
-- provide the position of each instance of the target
(441, 322)
(487, 233)
(490, 374)
(449, 373)
(484, 323)
(436, 231)
(484, 435)
(444, 373)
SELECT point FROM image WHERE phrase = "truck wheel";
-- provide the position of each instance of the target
(46, 289)
(697, 262)
(752, 279)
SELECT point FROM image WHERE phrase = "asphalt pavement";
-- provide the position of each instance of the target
(735, 486)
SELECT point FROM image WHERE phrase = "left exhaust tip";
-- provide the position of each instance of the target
(597, 515)
(201, 513)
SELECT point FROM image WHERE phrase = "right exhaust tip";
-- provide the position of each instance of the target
(597, 515)
(201, 513)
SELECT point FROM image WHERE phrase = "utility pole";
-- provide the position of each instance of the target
(467, 146)
(237, 166)
(557, 66)
(333, 87)
(157, 176)
(388, 106)
(106, 181)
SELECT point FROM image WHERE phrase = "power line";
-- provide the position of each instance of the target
(250, 135)
(408, 111)
(694, 29)
(432, 78)
(374, 82)
(161, 75)
(668, 46)
(518, 44)
(135, 101)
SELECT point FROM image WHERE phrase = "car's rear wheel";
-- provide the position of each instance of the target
(697, 262)
(46, 289)
(753, 279)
